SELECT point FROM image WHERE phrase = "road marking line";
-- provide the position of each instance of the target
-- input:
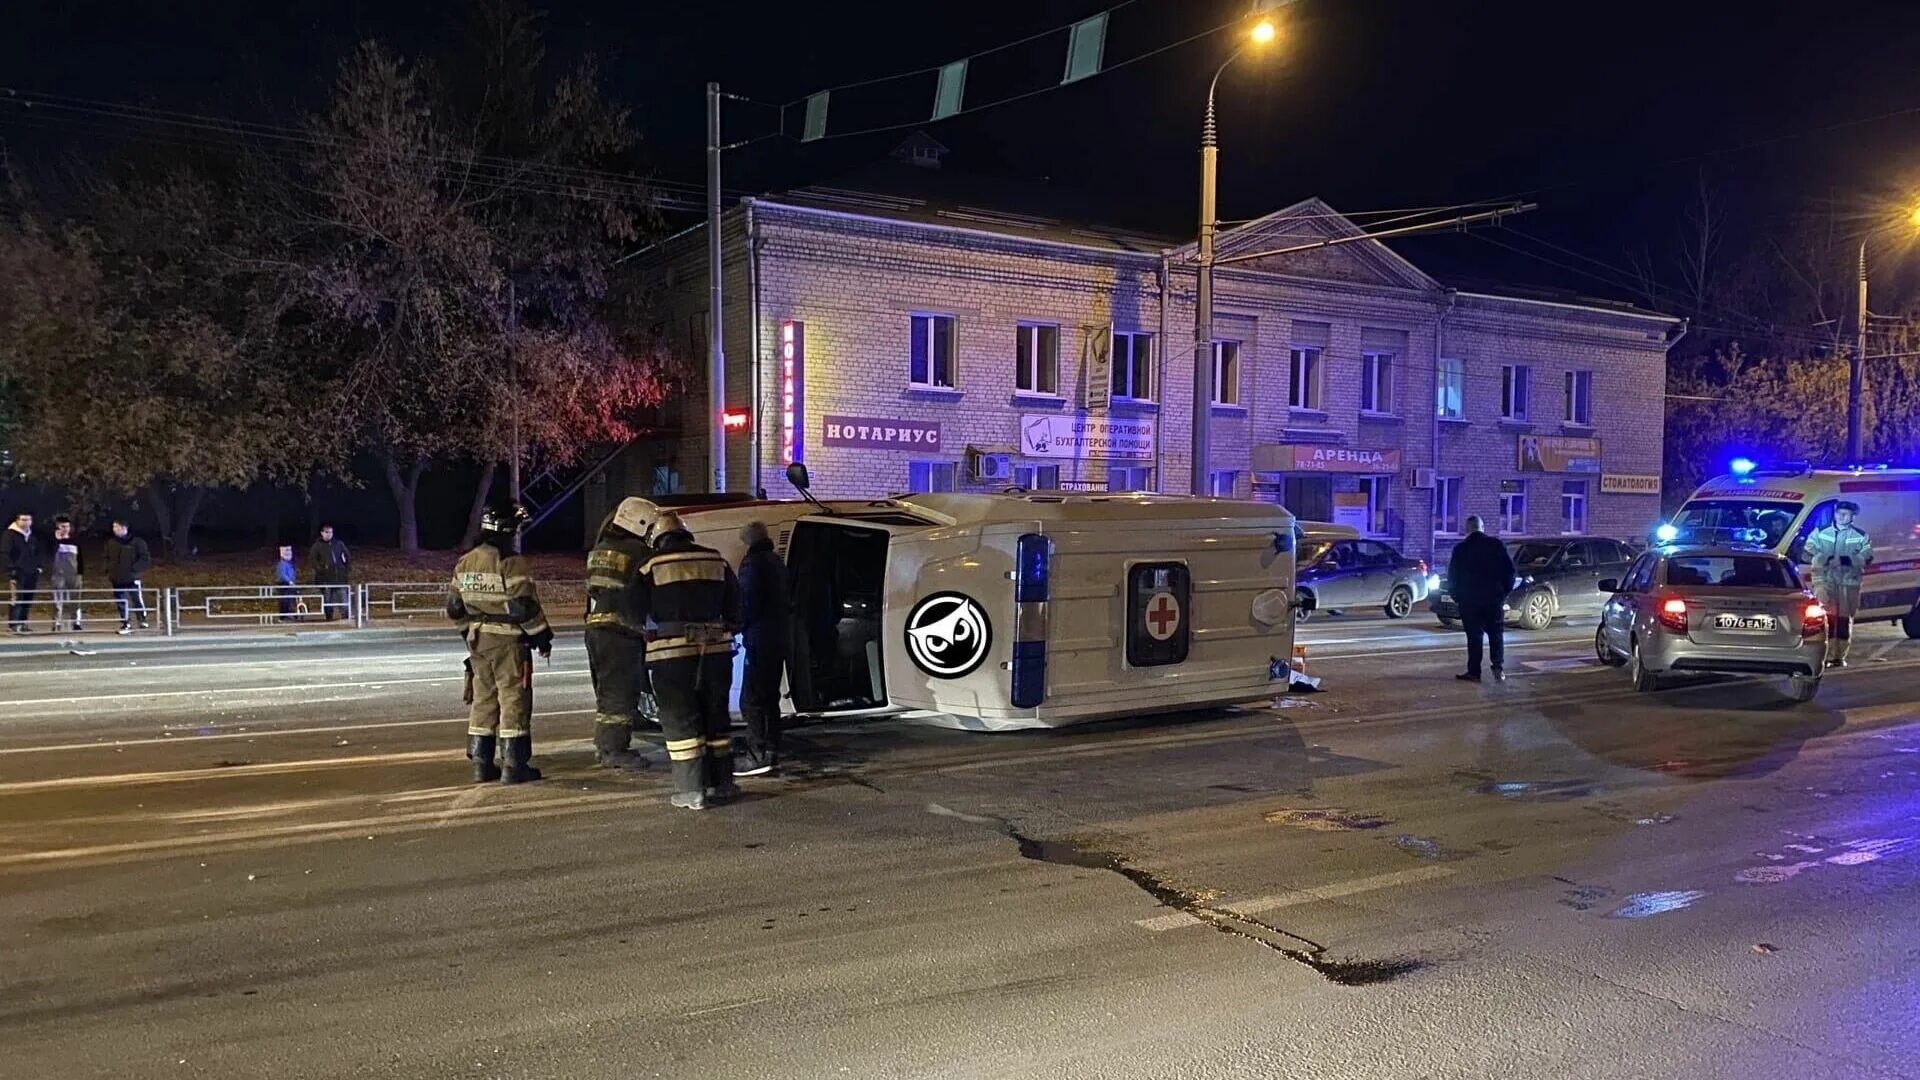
(263, 769)
(190, 739)
(1178, 919)
(289, 688)
(135, 667)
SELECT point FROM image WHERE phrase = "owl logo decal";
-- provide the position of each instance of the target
(948, 635)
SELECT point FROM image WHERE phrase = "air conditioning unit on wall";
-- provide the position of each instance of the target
(991, 466)
(1423, 479)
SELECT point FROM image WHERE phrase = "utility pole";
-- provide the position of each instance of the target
(1203, 303)
(717, 355)
(513, 388)
(1857, 370)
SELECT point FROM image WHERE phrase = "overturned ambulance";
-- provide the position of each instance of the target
(1025, 609)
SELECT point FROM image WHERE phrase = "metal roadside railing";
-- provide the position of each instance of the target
(193, 609)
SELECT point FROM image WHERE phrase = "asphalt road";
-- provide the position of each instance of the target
(239, 862)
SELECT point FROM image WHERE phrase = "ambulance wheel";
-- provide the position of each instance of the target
(1910, 622)
(1400, 602)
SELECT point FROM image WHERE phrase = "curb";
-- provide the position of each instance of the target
(49, 644)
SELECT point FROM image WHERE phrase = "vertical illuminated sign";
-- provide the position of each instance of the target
(793, 363)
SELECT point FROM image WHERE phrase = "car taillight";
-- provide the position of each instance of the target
(1673, 615)
(1814, 621)
(1423, 567)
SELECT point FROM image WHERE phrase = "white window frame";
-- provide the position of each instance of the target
(1574, 506)
(1128, 474)
(1376, 382)
(1513, 512)
(1580, 398)
(1226, 372)
(1031, 360)
(1516, 388)
(1135, 360)
(1037, 477)
(1447, 492)
(934, 322)
(1379, 492)
(1450, 390)
(930, 476)
(1222, 483)
(1306, 377)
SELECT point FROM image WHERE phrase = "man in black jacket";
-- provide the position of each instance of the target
(128, 557)
(693, 599)
(765, 629)
(21, 552)
(1480, 575)
(327, 561)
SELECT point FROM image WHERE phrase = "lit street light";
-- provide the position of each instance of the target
(1261, 33)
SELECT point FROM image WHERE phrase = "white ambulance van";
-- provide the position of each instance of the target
(1028, 609)
(1779, 508)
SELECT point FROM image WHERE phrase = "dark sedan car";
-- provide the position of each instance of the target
(1355, 573)
(1554, 577)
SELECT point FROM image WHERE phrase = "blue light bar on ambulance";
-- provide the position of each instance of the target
(1741, 466)
(1032, 584)
(1667, 533)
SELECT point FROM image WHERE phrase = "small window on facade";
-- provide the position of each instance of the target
(1573, 507)
(1579, 397)
(1129, 478)
(1446, 505)
(1379, 514)
(1449, 390)
(931, 360)
(1036, 363)
(1226, 373)
(1223, 483)
(1376, 382)
(1036, 477)
(930, 476)
(1513, 391)
(1132, 366)
(1513, 512)
(1304, 386)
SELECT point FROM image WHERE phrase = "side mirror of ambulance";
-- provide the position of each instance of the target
(797, 475)
(1609, 585)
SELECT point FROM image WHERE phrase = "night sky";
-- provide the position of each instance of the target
(1605, 114)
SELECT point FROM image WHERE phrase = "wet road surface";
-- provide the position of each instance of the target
(235, 861)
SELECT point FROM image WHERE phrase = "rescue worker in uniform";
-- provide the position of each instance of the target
(693, 600)
(616, 643)
(493, 599)
(1839, 555)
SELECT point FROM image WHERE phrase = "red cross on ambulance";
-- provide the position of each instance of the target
(1163, 616)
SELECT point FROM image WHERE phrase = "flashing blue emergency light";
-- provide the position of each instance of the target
(1667, 533)
(1033, 571)
(1741, 466)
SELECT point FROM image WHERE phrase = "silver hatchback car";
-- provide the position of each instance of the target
(1725, 610)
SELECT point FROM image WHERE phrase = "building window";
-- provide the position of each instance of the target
(1513, 391)
(1579, 397)
(1450, 390)
(1036, 361)
(932, 364)
(1376, 382)
(1226, 373)
(1037, 477)
(1573, 507)
(1130, 478)
(1513, 510)
(1379, 515)
(929, 476)
(1304, 389)
(1446, 505)
(1222, 483)
(1132, 366)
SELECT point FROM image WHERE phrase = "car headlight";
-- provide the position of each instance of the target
(1433, 582)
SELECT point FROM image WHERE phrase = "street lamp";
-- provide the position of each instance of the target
(1857, 369)
(1261, 33)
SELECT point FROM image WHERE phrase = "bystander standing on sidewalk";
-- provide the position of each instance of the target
(284, 582)
(21, 552)
(128, 557)
(327, 562)
(69, 570)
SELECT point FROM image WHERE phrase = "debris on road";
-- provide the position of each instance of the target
(1328, 820)
(1765, 949)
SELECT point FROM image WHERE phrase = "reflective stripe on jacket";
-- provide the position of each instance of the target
(497, 594)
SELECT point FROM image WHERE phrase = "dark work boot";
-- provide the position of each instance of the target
(612, 747)
(480, 751)
(516, 759)
(720, 785)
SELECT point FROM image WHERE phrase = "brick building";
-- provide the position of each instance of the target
(939, 346)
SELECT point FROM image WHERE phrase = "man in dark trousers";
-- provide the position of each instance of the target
(616, 643)
(1480, 575)
(128, 557)
(20, 549)
(693, 599)
(767, 607)
(327, 562)
(493, 599)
